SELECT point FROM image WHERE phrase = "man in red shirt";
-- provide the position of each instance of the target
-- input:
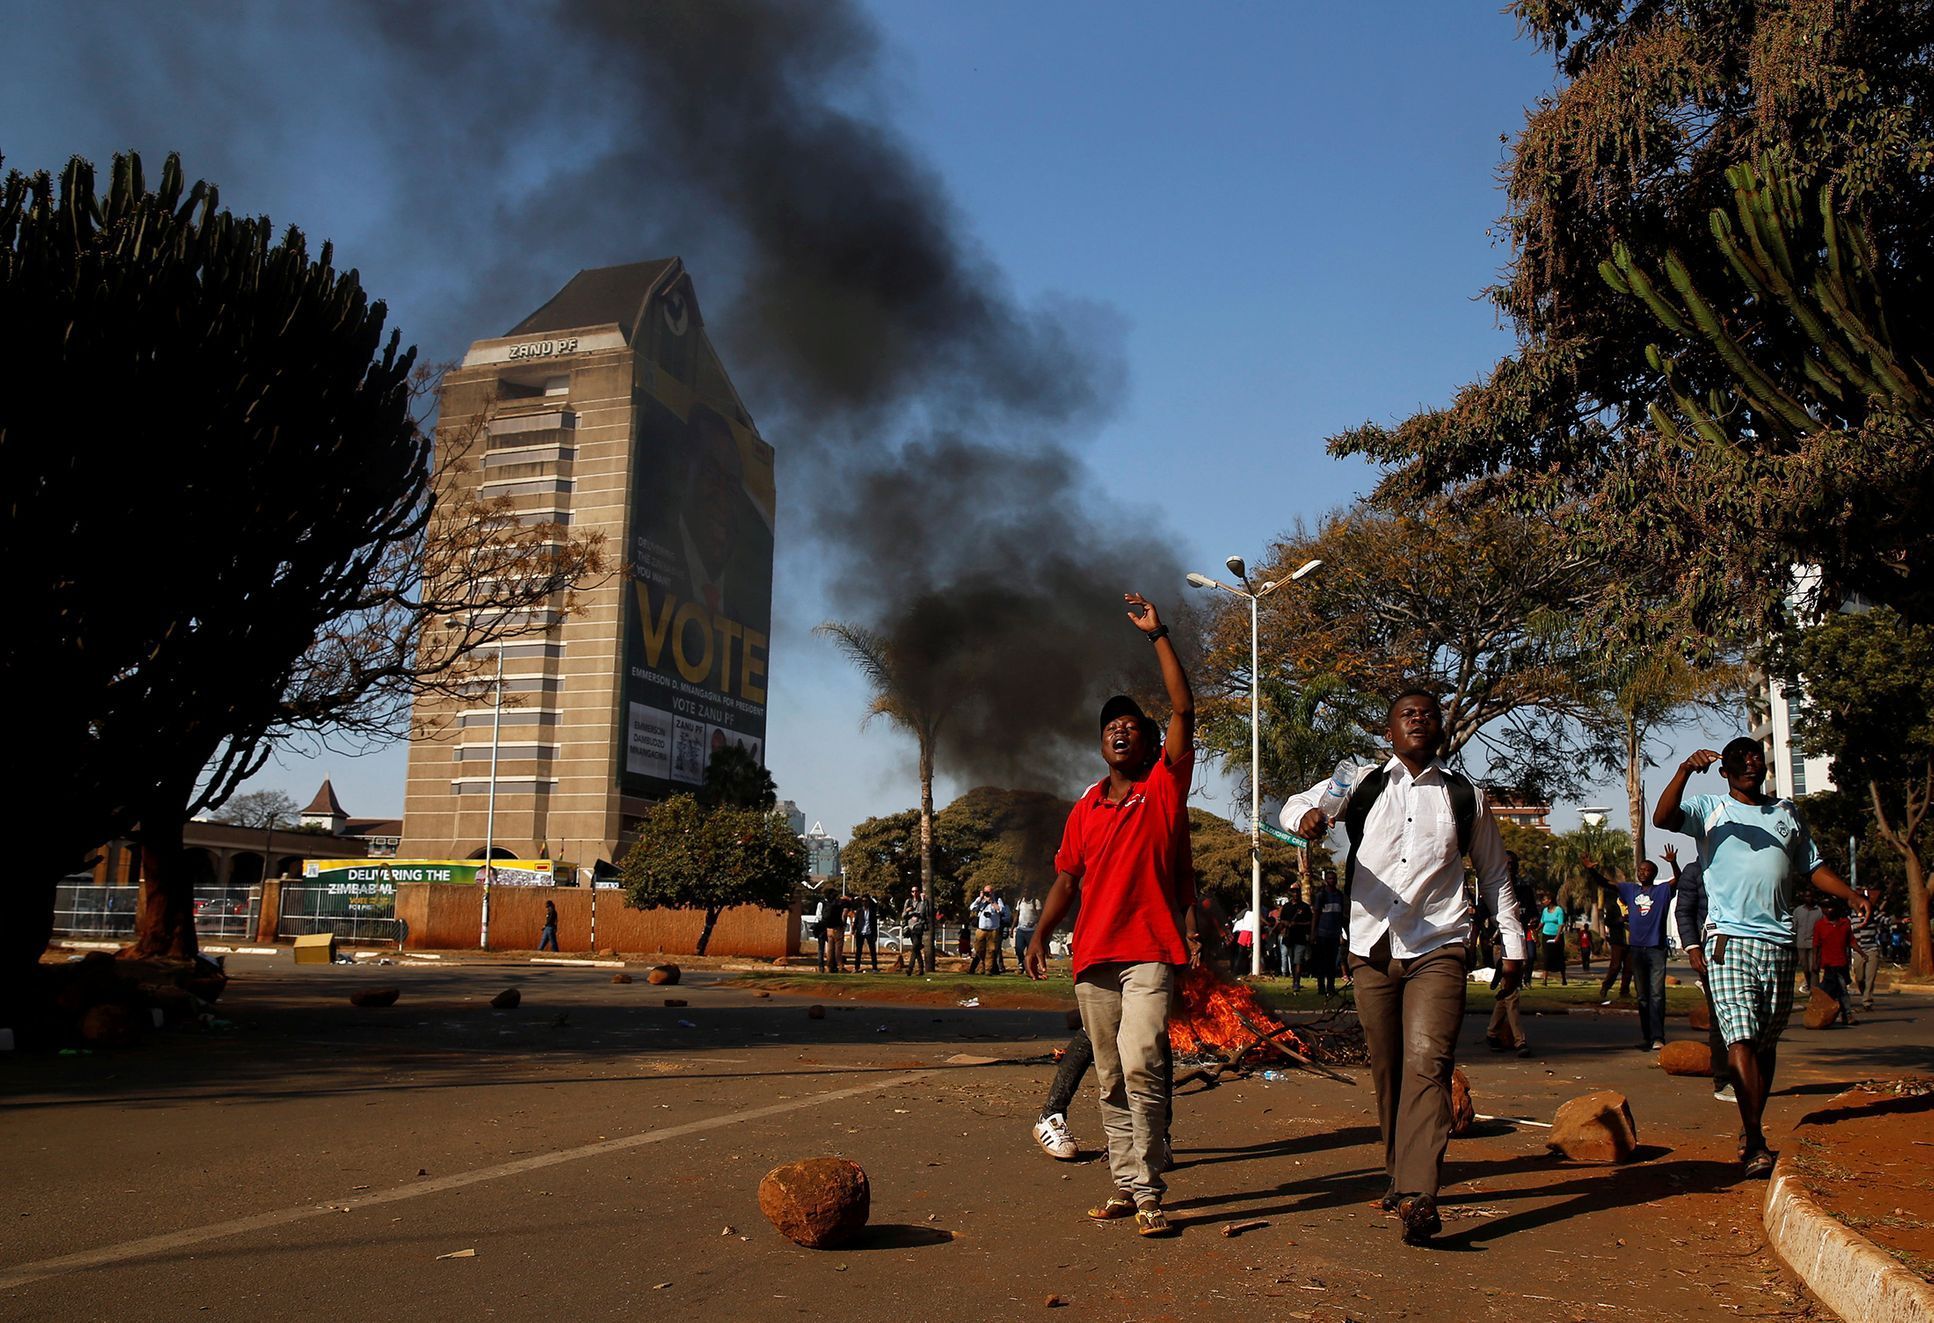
(1125, 850)
(1833, 948)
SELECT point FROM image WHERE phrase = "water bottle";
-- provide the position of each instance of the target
(1342, 781)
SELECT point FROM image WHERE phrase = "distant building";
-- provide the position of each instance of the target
(606, 411)
(380, 836)
(1506, 808)
(1775, 706)
(822, 854)
(1775, 709)
(795, 816)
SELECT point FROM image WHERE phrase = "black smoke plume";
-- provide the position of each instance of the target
(926, 421)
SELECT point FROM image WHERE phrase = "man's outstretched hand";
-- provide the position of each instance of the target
(1141, 612)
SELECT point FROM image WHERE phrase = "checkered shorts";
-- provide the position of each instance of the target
(1753, 990)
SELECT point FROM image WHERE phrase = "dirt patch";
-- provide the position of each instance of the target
(904, 992)
(1865, 1157)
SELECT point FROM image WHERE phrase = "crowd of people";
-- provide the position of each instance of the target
(840, 924)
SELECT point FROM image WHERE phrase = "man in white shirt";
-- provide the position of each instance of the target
(1411, 821)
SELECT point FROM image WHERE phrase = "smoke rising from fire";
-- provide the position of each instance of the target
(927, 421)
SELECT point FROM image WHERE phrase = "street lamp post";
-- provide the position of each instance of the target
(490, 803)
(1255, 596)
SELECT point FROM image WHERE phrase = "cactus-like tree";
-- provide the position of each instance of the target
(218, 504)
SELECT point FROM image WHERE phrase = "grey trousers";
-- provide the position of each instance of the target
(1124, 1008)
(1411, 1011)
(1866, 964)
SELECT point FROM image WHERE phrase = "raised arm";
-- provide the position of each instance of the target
(1665, 814)
(1672, 857)
(1175, 681)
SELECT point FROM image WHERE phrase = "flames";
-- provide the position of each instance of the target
(1218, 1018)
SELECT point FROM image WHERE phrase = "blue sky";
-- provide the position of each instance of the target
(1286, 209)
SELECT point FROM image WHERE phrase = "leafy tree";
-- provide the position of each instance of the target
(1869, 680)
(734, 776)
(914, 698)
(1651, 693)
(1631, 155)
(881, 856)
(1220, 851)
(259, 808)
(1003, 839)
(690, 857)
(1467, 600)
(293, 578)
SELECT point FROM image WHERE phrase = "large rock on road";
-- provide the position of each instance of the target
(816, 1202)
(1596, 1127)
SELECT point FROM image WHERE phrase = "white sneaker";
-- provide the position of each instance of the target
(1725, 1094)
(1051, 1133)
(1658, 1045)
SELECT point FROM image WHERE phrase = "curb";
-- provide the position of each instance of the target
(1851, 1275)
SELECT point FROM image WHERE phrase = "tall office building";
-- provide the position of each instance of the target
(606, 411)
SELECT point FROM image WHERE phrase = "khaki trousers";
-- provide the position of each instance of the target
(1411, 1011)
(1124, 1008)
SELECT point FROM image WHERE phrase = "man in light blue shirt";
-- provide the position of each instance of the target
(1753, 852)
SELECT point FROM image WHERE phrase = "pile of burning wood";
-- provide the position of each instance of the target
(1221, 1028)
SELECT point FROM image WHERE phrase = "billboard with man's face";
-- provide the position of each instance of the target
(698, 608)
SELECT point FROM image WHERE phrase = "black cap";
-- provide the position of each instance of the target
(1121, 705)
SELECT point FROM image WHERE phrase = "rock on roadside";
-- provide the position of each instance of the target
(816, 1202)
(375, 997)
(507, 1000)
(1463, 1112)
(1821, 1010)
(663, 974)
(1686, 1057)
(1595, 1127)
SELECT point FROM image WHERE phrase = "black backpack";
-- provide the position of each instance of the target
(1463, 799)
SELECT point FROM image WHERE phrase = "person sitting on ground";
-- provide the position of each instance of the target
(1753, 852)
(1125, 852)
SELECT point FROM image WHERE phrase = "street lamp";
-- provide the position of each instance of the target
(490, 801)
(1255, 595)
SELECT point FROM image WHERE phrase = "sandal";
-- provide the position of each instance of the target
(1759, 1165)
(1117, 1207)
(1150, 1220)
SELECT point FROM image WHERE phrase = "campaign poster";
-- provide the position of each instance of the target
(698, 562)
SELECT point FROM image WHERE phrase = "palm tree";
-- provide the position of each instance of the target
(900, 697)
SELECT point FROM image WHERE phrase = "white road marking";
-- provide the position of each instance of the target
(174, 1240)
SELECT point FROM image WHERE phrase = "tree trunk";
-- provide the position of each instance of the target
(926, 819)
(1921, 962)
(712, 913)
(164, 920)
(1635, 789)
(1302, 872)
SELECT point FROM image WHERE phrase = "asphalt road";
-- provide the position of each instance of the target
(600, 1154)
